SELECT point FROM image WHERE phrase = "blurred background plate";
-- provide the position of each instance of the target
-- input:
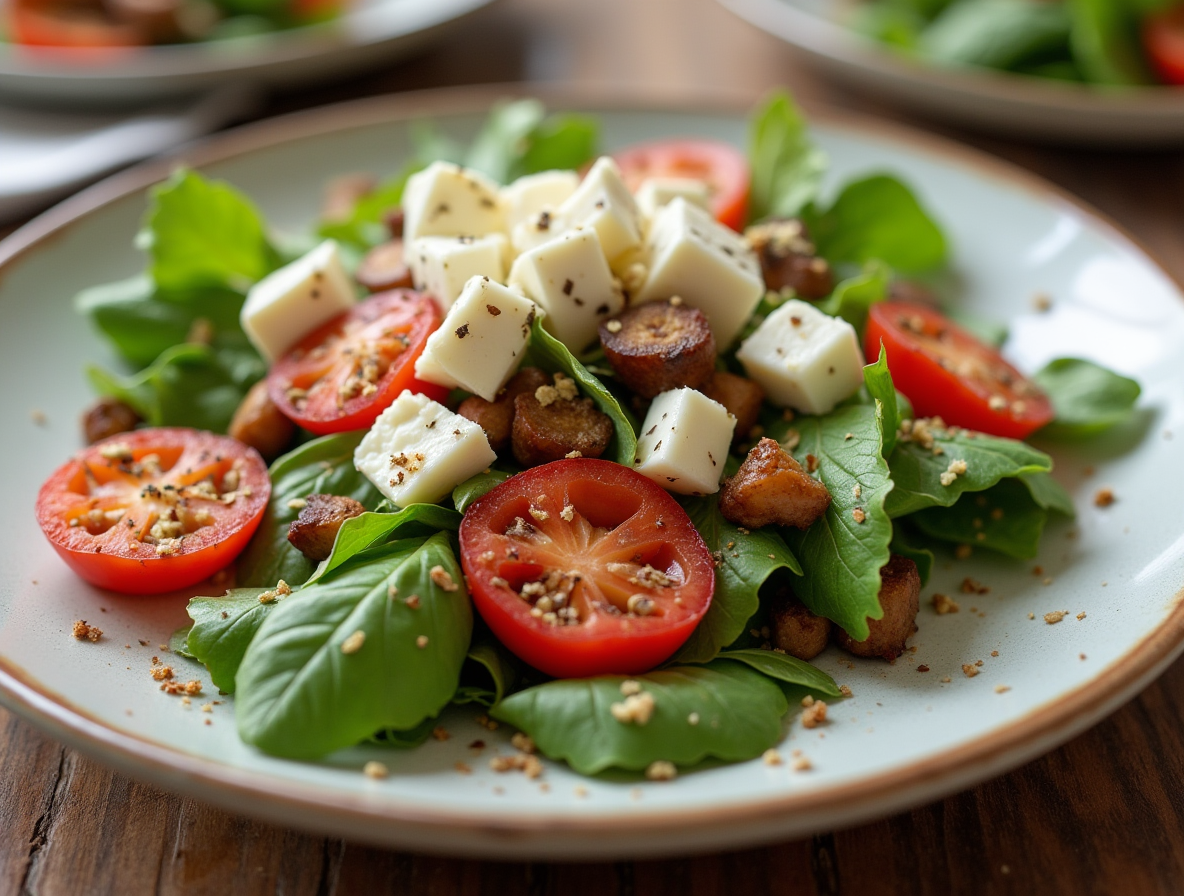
(372, 32)
(993, 101)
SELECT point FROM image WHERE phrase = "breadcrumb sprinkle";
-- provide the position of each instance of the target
(661, 770)
(1055, 616)
(943, 604)
(814, 714)
(83, 632)
(637, 709)
(375, 770)
(354, 642)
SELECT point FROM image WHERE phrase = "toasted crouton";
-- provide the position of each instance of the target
(315, 530)
(497, 417)
(795, 629)
(900, 598)
(772, 487)
(740, 395)
(546, 432)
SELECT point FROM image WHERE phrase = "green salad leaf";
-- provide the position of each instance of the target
(1086, 397)
(364, 226)
(785, 668)
(322, 466)
(747, 559)
(1105, 41)
(223, 628)
(877, 379)
(495, 679)
(903, 543)
(179, 642)
(725, 709)
(477, 487)
(559, 142)
(362, 532)
(996, 33)
(787, 167)
(1049, 494)
(342, 659)
(853, 298)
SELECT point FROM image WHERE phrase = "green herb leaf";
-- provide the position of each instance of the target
(787, 167)
(477, 487)
(785, 668)
(996, 33)
(310, 683)
(559, 142)
(747, 560)
(854, 297)
(1086, 397)
(739, 716)
(364, 227)
(1105, 41)
(1004, 518)
(878, 381)
(223, 628)
(503, 139)
(362, 532)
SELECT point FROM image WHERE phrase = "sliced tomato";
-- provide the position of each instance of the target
(723, 167)
(585, 567)
(48, 25)
(154, 510)
(344, 374)
(947, 373)
(1163, 39)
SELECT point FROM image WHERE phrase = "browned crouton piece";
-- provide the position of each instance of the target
(258, 422)
(552, 431)
(788, 259)
(315, 530)
(384, 267)
(107, 417)
(900, 597)
(497, 417)
(772, 487)
(795, 629)
(740, 395)
(659, 346)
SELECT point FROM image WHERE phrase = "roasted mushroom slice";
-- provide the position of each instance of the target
(497, 417)
(555, 427)
(900, 598)
(315, 530)
(740, 395)
(772, 487)
(659, 346)
(258, 422)
(383, 267)
(108, 417)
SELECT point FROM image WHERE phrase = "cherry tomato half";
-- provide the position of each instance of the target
(154, 510)
(947, 373)
(344, 374)
(585, 567)
(34, 23)
(721, 165)
(1163, 39)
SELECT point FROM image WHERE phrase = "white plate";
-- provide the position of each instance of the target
(989, 100)
(372, 32)
(904, 738)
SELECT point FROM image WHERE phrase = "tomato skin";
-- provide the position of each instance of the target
(33, 23)
(721, 165)
(1163, 39)
(948, 373)
(401, 312)
(107, 559)
(615, 521)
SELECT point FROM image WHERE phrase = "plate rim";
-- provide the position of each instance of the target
(1039, 730)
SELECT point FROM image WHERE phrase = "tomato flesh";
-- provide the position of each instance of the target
(584, 567)
(343, 375)
(1163, 39)
(154, 510)
(948, 373)
(721, 166)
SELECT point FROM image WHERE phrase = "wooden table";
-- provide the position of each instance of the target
(1103, 814)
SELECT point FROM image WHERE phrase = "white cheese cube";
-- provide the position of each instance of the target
(656, 192)
(534, 193)
(570, 280)
(290, 303)
(804, 359)
(417, 451)
(442, 265)
(480, 343)
(447, 200)
(709, 265)
(603, 203)
(537, 229)
(684, 442)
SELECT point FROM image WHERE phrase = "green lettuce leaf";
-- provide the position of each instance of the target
(877, 379)
(477, 487)
(364, 227)
(785, 668)
(1086, 397)
(1105, 41)
(369, 529)
(1004, 518)
(223, 628)
(787, 167)
(853, 298)
(996, 33)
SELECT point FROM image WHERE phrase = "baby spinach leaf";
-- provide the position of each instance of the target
(201, 232)
(1004, 518)
(996, 33)
(322, 466)
(853, 297)
(179, 642)
(559, 142)
(223, 628)
(878, 218)
(746, 560)
(488, 675)
(1105, 42)
(786, 668)
(878, 381)
(1086, 397)
(364, 228)
(1049, 493)
(365, 531)
(547, 352)
(917, 470)
(787, 167)
(477, 487)
(736, 711)
(903, 544)
(341, 659)
(405, 739)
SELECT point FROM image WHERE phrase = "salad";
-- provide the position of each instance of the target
(1102, 42)
(606, 446)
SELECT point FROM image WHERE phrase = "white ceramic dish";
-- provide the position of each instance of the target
(904, 738)
(372, 32)
(987, 100)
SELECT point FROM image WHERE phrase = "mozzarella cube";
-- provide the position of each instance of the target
(534, 193)
(442, 265)
(803, 358)
(709, 265)
(480, 343)
(603, 203)
(447, 200)
(418, 451)
(290, 303)
(570, 280)
(537, 229)
(656, 192)
(684, 442)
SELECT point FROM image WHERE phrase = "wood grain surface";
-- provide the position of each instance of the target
(1104, 814)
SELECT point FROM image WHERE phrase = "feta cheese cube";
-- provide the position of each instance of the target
(480, 343)
(656, 192)
(803, 358)
(442, 265)
(290, 303)
(709, 265)
(447, 200)
(570, 280)
(603, 203)
(534, 193)
(417, 451)
(537, 229)
(684, 442)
